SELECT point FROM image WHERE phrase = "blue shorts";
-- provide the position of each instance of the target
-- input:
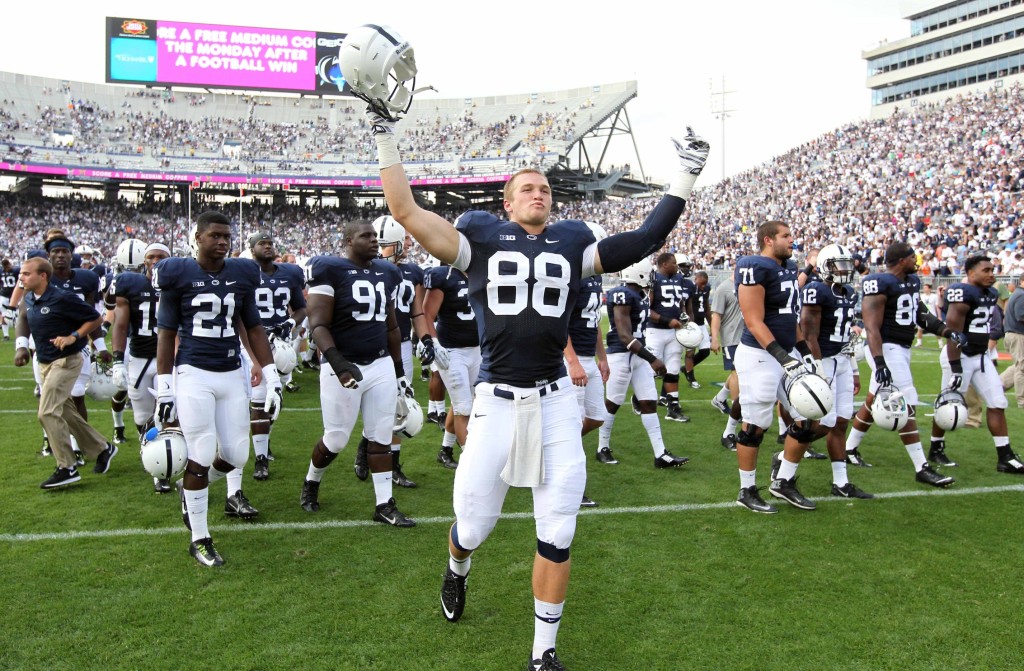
(728, 354)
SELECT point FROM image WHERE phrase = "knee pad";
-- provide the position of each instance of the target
(192, 467)
(377, 448)
(455, 538)
(802, 431)
(118, 401)
(325, 452)
(751, 438)
(911, 411)
(551, 553)
(670, 378)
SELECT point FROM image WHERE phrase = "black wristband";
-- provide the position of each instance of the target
(645, 354)
(427, 340)
(803, 348)
(399, 369)
(808, 270)
(118, 357)
(880, 362)
(339, 364)
(956, 366)
(780, 355)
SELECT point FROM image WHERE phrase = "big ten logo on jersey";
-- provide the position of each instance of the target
(508, 292)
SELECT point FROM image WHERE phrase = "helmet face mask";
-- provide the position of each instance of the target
(685, 264)
(377, 62)
(391, 234)
(101, 386)
(890, 409)
(836, 265)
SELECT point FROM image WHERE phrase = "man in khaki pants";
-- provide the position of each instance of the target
(59, 322)
(1013, 325)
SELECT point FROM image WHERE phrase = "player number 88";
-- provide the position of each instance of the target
(508, 293)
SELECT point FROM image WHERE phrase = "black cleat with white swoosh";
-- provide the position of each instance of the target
(453, 595)
(388, 513)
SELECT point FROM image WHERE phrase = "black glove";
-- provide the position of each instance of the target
(340, 365)
(425, 350)
(957, 379)
(883, 376)
(957, 338)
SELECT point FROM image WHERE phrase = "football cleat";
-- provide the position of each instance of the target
(605, 456)
(180, 484)
(453, 595)
(781, 440)
(61, 477)
(308, 498)
(664, 401)
(119, 438)
(161, 486)
(928, 476)
(786, 490)
(937, 454)
(205, 553)
(776, 464)
(635, 403)
(853, 457)
(669, 460)
(675, 414)
(723, 406)
(694, 384)
(850, 491)
(547, 662)
(103, 459)
(811, 454)
(360, 466)
(291, 387)
(446, 459)
(388, 513)
(398, 477)
(261, 471)
(750, 499)
(729, 442)
(237, 505)
(1012, 464)
(588, 502)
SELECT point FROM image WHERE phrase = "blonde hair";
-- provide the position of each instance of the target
(510, 184)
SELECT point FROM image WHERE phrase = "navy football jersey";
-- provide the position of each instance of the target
(83, 283)
(279, 291)
(523, 288)
(836, 314)
(412, 277)
(899, 324)
(361, 299)
(9, 280)
(781, 297)
(639, 307)
(980, 303)
(668, 298)
(456, 321)
(701, 304)
(143, 300)
(586, 316)
(203, 306)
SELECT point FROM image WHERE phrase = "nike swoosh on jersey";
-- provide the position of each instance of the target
(231, 282)
(551, 242)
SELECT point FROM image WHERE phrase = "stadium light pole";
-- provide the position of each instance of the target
(720, 111)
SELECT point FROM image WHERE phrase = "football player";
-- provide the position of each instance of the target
(134, 334)
(671, 308)
(892, 312)
(8, 280)
(631, 364)
(825, 319)
(766, 287)
(282, 305)
(525, 430)
(394, 242)
(701, 300)
(204, 301)
(352, 320)
(969, 306)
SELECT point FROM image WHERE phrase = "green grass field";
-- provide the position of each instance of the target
(668, 572)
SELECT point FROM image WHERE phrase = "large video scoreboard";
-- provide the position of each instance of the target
(174, 53)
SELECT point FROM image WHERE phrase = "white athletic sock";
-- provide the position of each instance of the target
(459, 566)
(261, 444)
(382, 486)
(722, 395)
(604, 432)
(234, 479)
(448, 440)
(916, 453)
(547, 617)
(118, 418)
(197, 502)
(782, 427)
(748, 478)
(435, 406)
(839, 478)
(787, 469)
(853, 440)
(730, 426)
(653, 427)
(315, 474)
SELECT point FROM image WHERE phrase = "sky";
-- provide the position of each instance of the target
(794, 66)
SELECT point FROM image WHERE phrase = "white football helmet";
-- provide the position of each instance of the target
(835, 264)
(285, 359)
(640, 273)
(377, 62)
(100, 386)
(165, 454)
(413, 420)
(685, 264)
(599, 232)
(689, 336)
(131, 254)
(809, 394)
(890, 409)
(390, 233)
(950, 410)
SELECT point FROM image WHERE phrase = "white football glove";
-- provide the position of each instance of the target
(272, 406)
(404, 387)
(119, 375)
(380, 121)
(165, 410)
(442, 357)
(813, 365)
(692, 151)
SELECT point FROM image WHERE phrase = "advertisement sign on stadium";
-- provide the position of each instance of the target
(175, 53)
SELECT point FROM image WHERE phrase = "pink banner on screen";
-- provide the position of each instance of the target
(232, 56)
